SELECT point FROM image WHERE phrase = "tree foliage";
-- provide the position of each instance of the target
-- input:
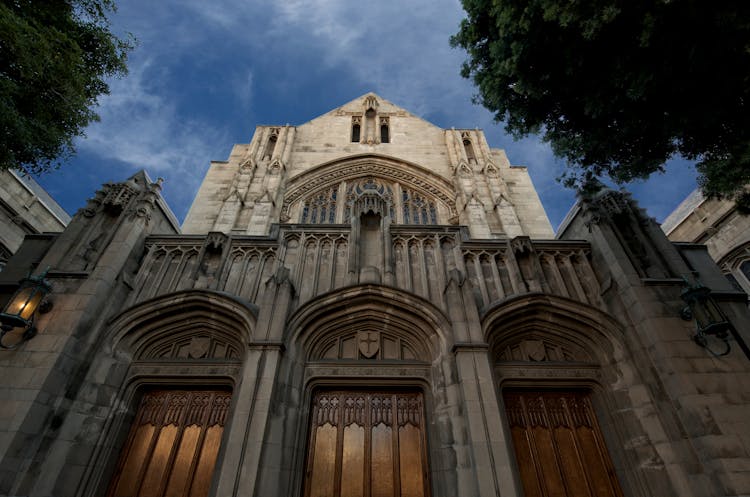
(54, 58)
(620, 86)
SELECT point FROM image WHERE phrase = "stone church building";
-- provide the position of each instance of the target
(367, 305)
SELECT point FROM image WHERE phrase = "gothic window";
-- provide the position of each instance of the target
(384, 131)
(417, 209)
(321, 207)
(356, 129)
(365, 194)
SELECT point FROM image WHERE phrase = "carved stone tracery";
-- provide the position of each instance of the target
(307, 183)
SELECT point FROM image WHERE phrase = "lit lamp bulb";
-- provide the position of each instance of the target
(19, 311)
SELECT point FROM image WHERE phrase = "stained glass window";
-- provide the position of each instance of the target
(321, 207)
(370, 193)
(417, 209)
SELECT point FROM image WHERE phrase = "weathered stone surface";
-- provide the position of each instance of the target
(272, 297)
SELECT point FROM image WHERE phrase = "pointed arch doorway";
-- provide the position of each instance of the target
(173, 444)
(558, 444)
(364, 443)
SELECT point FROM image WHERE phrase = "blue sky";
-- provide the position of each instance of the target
(205, 73)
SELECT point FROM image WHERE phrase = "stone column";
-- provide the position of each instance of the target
(490, 443)
(246, 442)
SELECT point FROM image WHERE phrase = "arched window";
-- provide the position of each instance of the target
(356, 129)
(321, 208)
(417, 209)
(384, 131)
(400, 203)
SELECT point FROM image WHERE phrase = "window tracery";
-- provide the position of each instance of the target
(402, 204)
(417, 209)
(321, 208)
(372, 194)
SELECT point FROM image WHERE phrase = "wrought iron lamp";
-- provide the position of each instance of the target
(708, 316)
(19, 312)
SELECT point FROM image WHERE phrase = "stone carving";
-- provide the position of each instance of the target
(198, 347)
(534, 350)
(215, 241)
(118, 196)
(189, 370)
(369, 343)
(190, 347)
(560, 373)
(365, 168)
(542, 349)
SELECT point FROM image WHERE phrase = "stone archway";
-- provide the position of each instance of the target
(556, 362)
(173, 362)
(366, 342)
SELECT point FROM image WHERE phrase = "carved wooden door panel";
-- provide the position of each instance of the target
(367, 444)
(559, 447)
(173, 443)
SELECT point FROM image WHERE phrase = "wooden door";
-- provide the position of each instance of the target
(367, 444)
(173, 443)
(559, 447)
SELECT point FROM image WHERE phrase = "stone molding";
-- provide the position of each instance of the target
(189, 311)
(388, 168)
(393, 310)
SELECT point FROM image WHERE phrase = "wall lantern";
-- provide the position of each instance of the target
(709, 318)
(19, 312)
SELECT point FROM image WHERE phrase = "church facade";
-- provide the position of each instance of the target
(369, 305)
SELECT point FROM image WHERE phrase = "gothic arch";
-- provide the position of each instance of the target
(569, 331)
(418, 178)
(542, 344)
(223, 323)
(395, 313)
(189, 340)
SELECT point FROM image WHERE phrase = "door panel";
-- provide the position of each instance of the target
(367, 444)
(173, 443)
(559, 448)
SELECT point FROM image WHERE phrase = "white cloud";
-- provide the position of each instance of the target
(242, 86)
(400, 50)
(141, 128)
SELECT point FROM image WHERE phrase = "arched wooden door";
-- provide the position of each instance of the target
(367, 444)
(173, 443)
(559, 447)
